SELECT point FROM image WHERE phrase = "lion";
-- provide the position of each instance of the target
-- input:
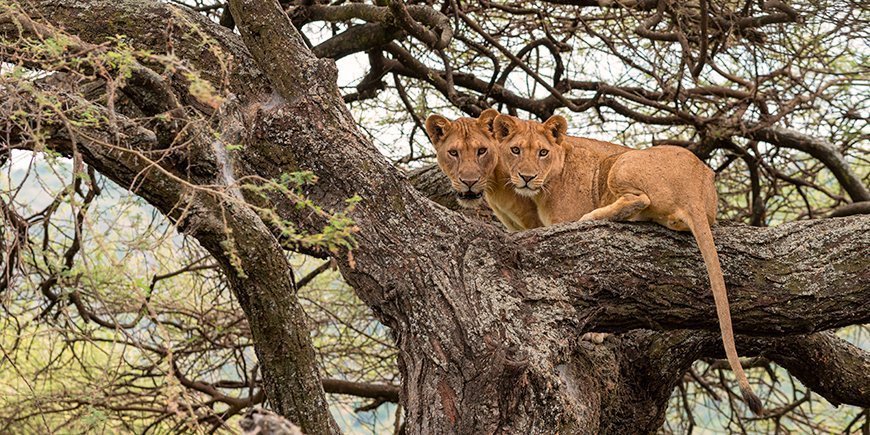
(572, 178)
(467, 153)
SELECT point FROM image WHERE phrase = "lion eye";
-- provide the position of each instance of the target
(515, 150)
(543, 153)
(453, 153)
(481, 151)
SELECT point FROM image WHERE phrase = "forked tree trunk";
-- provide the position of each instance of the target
(488, 324)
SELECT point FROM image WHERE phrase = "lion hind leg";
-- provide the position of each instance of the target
(625, 207)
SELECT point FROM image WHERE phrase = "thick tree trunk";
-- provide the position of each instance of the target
(254, 263)
(488, 324)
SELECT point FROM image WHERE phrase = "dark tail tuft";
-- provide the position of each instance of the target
(753, 401)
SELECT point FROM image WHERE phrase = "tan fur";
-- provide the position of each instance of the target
(483, 174)
(585, 179)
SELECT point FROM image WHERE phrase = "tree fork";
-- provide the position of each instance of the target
(487, 323)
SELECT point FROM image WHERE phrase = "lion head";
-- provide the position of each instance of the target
(466, 150)
(532, 151)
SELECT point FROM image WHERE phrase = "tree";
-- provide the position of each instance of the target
(218, 133)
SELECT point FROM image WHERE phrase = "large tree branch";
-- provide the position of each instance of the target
(279, 49)
(204, 201)
(355, 39)
(393, 21)
(825, 152)
(362, 389)
(214, 52)
(795, 278)
(313, 110)
(650, 364)
(639, 275)
(827, 364)
(147, 88)
(854, 208)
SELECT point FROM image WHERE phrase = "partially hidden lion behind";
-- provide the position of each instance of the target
(571, 178)
(467, 152)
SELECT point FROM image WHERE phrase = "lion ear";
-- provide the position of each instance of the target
(437, 128)
(486, 120)
(504, 126)
(558, 127)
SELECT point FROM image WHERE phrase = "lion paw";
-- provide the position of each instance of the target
(594, 337)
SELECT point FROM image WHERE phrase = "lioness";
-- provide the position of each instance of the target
(467, 153)
(572, 178)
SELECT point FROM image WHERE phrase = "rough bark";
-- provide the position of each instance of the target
(643, 275)
(487, 323)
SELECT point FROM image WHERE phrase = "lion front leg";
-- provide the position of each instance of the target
(622, 209)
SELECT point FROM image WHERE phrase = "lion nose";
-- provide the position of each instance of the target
(469, 183)
(527, 178)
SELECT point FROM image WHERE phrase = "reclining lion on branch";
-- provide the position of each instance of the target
(467, 153)
(571, 178)
(534, 174)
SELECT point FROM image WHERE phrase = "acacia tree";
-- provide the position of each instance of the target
(206, 126)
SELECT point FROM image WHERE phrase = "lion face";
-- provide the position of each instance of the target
(532, 151)
(467, 153)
